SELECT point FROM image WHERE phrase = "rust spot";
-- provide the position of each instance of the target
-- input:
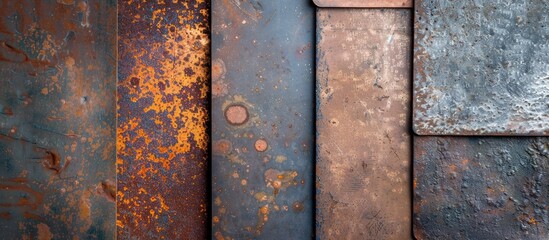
(236, 114)
(134, 82)
(218, 69)
(5, 215)
(297, 206)
(221, 147)
(44, 232)
(261, 145)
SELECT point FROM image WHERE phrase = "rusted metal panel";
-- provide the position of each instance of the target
(57, 117)
(481, 188)
(365, 3)
(363, 142)
(262, 119)
(163, 101)
(481, 67)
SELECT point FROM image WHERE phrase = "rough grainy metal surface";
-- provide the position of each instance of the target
(262, 119)
(163, 95)
(481, 67)
(363, 142)
(481, 188)
(365, 3)
(57, 116)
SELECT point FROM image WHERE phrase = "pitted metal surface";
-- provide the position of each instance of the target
(363, 141)
(481, 188)
(163, 113)
(262, 119)
(57, 119)
(481, 67)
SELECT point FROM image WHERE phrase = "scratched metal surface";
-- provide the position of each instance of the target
(481, 67)
(365, 3)
(481, 188)
(262, 119)
(57, 116)
(163, 97)
(363, 142)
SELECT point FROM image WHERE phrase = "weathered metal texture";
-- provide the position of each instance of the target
(163, 113)
(262, 119)
(365, 3)
(363, 141)
(481, 67)
(57, 116)
(481, 188)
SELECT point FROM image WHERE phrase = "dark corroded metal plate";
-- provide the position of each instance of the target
(163, 115)
(262, 119)
(365, 3)
(481, 67)
(481, 188)
(57, 118)
(363, 142)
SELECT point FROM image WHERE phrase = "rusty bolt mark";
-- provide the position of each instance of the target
(297, 206)
(236, 114)
(261, 145)
(221, 147)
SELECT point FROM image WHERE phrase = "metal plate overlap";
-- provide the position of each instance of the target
(262, 119)
(481, 67)
(57, 119)
(363, 141)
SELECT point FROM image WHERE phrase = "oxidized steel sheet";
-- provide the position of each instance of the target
(363, 142)
(481, 67)
(262, 119)
(365, 3)
(57, 117)
(163, 101)
(481, 188)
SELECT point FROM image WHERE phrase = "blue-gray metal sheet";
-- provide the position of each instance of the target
(262, 119)
(481, 67)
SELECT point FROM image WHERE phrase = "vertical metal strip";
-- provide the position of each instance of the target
(163, 101)
(481, 188)
(57, 118)
(363, 141)
(262, 119)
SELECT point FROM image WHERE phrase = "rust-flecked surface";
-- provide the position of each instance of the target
(162, 119)
(365, 3)
(57, 117)
(481, 188)
(262, 119)
(481, 67)
(363, 142)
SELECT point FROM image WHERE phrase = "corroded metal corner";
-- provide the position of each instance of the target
(480, 67)
(364, 3)
(363, 111)
(481, 188)
(262, 119)
(57, 118)
(163, 113)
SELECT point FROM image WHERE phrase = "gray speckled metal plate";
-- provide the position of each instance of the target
(481, 67)
(481, 188)
(364, 3)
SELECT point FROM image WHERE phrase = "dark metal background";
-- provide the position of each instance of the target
(163, 95)
(57, 119)
(365, 3)
(262, 113)
(481, 188)
(481, 67)
(363, 142)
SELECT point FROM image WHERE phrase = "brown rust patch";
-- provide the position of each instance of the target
(236, 114)
(221, 147)
(44, 232)
(261, 145)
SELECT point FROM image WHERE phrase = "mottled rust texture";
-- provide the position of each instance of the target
(162, 119)
(57, 117)
(363, 142)
(481, 67)
(365, 3)
(481, 188)
(262, 119)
